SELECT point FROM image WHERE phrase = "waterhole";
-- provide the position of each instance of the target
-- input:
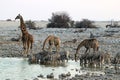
(20, 69)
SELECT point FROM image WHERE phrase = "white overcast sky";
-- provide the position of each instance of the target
(77, 9)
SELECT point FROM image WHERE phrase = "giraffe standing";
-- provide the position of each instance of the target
(27, 39)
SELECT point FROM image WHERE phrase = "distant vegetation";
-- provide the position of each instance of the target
(60, 20)
(30, 24)
(63, 20)
(85, 23)
(114, 24)
(8, 20)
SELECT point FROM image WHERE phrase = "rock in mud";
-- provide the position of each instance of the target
(41, 76)
(68, 74)
(50, 75)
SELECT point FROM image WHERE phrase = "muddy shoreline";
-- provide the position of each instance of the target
(108, 38)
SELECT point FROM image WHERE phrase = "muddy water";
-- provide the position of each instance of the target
(20, 69)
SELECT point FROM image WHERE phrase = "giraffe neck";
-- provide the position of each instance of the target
(22, 25)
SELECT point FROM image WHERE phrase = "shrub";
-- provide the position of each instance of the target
(85, 23)
(30, 24)
(8, 20)
(59, 20)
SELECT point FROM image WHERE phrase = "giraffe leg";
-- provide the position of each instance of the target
(95, 49)
(31, 44)
(89, 50)
(57, 48)
(86, 50)
(24, 47)
(29, 50)
(50, 48)
(28, 47)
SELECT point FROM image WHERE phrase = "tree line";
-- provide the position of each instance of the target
(62, 20)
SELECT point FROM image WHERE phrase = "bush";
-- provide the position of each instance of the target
(30, 24)
(8, 20)
(85, 23)
(59, 20)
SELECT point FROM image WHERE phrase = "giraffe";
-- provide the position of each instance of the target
(88, 43)
(53, 41)
(27, 39)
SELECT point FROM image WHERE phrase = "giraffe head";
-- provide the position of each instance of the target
(18, 16)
